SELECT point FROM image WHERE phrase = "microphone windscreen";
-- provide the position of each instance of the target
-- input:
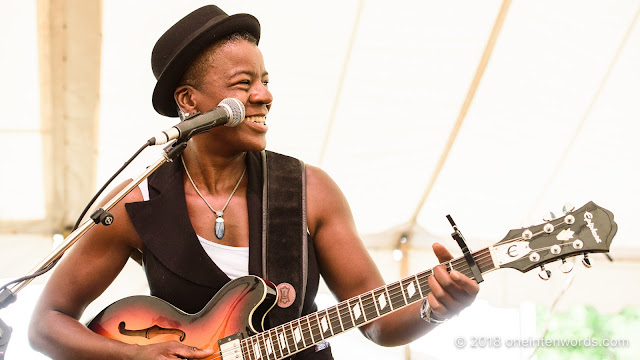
(236, 109)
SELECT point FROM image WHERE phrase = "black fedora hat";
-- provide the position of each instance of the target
(179, 46)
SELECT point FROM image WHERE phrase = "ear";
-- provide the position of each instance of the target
(183, 96)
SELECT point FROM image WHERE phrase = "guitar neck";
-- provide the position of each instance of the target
(297, 335)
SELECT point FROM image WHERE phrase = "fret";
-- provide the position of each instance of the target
(272, 346)
(255, 348)
(291, 338)
(424, 284)
(345, 316)
(462, 267)
(396, 295)
(316, 333)
(277, 349)
(404, 295)
(364, 314)
(422, 296)
(357, 314)
(249, 347)
(487, 264)
(323, 325)
(287, 339)
(297, 337)
(386, 291)
(246, 349)
(382, 301)
(410, 290)
(369, 305)
(334, 320)
(282, 340)
(266, 347)
(305, 332)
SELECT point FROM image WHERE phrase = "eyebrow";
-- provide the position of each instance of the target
(247, 72)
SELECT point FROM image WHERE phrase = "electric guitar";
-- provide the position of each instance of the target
(232, 322)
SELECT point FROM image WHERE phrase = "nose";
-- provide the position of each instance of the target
(261, 95)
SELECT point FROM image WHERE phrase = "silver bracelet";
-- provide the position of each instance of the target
(426, 314)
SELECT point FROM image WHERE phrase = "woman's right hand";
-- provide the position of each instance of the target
(171, 350)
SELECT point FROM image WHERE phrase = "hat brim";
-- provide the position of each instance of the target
(163, 100)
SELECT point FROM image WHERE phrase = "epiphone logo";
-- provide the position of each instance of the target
(587, 218)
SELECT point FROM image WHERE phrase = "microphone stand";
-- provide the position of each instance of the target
(102, 215)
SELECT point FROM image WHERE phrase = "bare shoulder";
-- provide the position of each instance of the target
(339, 249)
(322, 188)
(325, 200)
(122, 226)
(102, 250)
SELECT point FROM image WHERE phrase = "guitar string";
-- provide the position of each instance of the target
(309, 337)
(311, 333)
(395, 293)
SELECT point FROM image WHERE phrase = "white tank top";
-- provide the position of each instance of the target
(232, 260)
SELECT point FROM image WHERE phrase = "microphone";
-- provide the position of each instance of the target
(229, 112)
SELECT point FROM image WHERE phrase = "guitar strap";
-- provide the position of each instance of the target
(284, 232)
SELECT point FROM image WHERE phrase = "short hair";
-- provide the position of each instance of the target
(195, 71)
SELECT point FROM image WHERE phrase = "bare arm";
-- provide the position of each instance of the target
(348, 269)
(83, 273)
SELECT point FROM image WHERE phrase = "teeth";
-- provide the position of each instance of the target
(256, 119)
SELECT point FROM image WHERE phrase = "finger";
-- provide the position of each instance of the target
(192, 352)
(441, 252)
(471, 287)
(446, 281)
(438, 309)
(441, 294)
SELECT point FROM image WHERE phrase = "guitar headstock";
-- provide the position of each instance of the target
(588, 229)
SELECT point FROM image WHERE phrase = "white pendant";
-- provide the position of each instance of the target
(219, 228)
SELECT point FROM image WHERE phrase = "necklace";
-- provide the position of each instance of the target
(219, 227)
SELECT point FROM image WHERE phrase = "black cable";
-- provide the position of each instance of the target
(149, 142)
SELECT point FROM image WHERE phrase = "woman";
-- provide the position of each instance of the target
(213, 195)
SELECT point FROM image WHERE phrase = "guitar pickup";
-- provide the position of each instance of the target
(230, 347)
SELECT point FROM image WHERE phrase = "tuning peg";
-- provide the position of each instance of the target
(544, 274)
(567, 208)
(566, 267)
(585, 261)
(548, 216)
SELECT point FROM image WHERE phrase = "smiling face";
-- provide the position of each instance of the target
(230, 69)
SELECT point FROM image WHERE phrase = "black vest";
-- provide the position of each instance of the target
(178, 269)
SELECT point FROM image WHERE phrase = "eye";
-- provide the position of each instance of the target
(265, 83)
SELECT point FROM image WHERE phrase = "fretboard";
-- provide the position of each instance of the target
(297, 335)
